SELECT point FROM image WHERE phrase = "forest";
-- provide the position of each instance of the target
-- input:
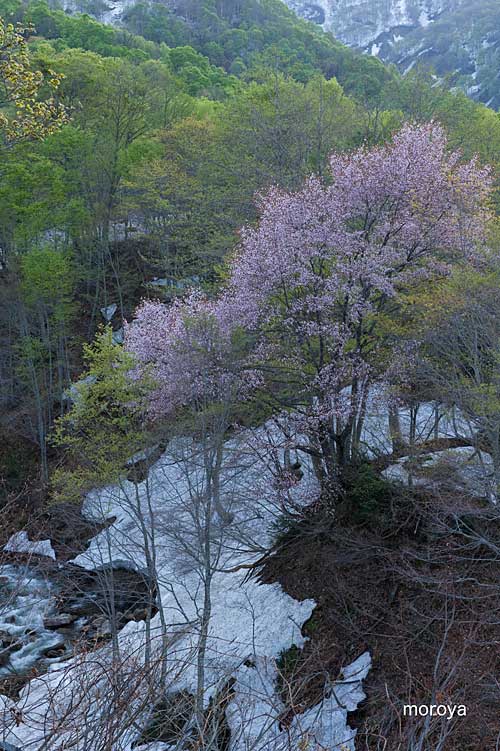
(249, 389)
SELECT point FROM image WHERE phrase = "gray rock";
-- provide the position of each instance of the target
(81, 606)
(361, 22)
(104, 628)
(52, 652)
(59, 621)
(10, 642)
(136, 615)
(4, 657)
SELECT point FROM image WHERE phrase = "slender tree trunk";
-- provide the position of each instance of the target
(395, 428)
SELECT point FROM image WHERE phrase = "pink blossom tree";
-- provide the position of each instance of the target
(314, 284)
(327, 265)
(189, 350)
(193, 356)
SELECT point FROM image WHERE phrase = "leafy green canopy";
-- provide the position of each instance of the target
(192, 68)
(24, 113)
(105, 425)
(249, 39)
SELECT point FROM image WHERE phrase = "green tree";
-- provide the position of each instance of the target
(106, 424)
(46, 310)
(24, 113)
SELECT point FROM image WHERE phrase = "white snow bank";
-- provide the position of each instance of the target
(254, 713)
(20, 543)
(464, 468)
(248, 620)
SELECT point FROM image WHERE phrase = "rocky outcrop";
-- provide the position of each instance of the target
(459, 39)
(361, 23)
(58, 621)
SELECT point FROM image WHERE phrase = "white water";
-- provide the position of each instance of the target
(26, 598)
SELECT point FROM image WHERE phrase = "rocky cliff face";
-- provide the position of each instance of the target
(455, 38)
(361, 23)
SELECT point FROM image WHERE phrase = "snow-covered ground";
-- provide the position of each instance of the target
(466, 467)
(321, 727)
(376, 434)
(471, 469)
(20, 543)
(250, 623)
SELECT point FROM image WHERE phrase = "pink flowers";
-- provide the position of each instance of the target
(310, 280)
(390, 212)
(184, 347)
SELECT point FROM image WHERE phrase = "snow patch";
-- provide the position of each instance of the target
(254, 713)
(424, 20)
(249, 620)
(20, 543)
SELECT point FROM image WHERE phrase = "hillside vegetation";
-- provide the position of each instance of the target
(249, 349)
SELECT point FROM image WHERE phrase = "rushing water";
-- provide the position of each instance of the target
(26, 598)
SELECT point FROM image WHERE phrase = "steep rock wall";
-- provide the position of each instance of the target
(362, 22)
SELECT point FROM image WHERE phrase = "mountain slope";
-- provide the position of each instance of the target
(237, 35)
(455, 38)
(361, 23)
(464, 44)
(460, 38)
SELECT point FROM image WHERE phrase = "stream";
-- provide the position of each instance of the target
(45, 609)
(27, 601)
